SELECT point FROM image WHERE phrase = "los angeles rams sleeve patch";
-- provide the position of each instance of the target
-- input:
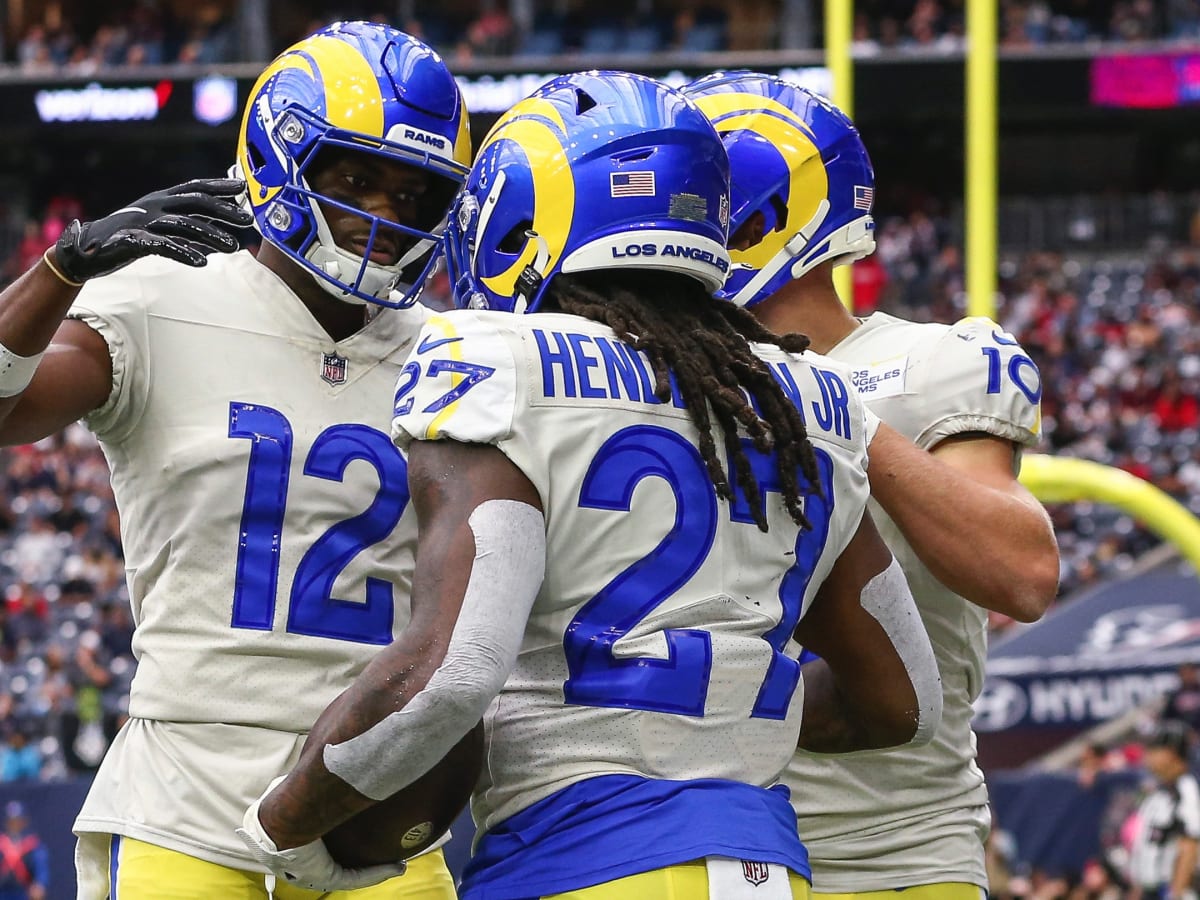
(978, 379)
(459, 383)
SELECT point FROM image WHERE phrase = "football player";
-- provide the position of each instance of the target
(958, 403)
(626, 509)
(242, 405)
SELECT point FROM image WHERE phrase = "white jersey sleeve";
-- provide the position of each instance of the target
(459, 383)
(974, 377)
(115, 306)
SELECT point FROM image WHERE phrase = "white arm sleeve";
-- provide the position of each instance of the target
(510, 562)
(890, 602)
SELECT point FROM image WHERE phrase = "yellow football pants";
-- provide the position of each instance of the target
(946, 891)
(147, 872)
(688, 881)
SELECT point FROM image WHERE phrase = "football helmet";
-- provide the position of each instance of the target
(594, 170)
(366, 88)
(799, 161)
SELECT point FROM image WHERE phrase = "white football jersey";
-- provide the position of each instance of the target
(263, 517)
(655, 645)
(896, 818)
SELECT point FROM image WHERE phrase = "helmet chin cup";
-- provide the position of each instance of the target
(335, 268)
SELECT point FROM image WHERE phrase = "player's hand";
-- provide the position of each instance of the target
(309, 866)
(181, 223)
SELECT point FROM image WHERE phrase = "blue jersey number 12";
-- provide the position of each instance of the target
(312, 610)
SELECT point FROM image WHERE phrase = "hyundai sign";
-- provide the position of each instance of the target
(1114, 650)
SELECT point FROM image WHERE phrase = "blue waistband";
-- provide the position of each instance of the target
(612, 826)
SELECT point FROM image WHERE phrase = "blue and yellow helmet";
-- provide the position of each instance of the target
(362, 87)
(799, 161)
(594, 170)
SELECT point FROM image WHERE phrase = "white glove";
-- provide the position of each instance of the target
(309, 866)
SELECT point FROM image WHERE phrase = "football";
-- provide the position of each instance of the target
(411, 820)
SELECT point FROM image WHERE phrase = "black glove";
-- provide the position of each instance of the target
(179, 223)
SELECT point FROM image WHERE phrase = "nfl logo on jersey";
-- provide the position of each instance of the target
(755, 872)
(333, 368)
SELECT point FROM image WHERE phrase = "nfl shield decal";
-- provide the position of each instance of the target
(755, 872)
(333, 368)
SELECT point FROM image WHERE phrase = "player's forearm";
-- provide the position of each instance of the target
(993, 547)
(312, 799)
(32, 308)
(417, 699)
(830, 723)
(881, 688)
(479, 567)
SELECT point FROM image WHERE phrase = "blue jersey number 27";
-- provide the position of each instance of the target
(679, 683)
(312, 610)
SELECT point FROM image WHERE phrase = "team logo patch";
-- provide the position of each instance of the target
(631, 184)
(755, 872)
(333, 368)
(882, 378)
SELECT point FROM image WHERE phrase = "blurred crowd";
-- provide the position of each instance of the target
(939, 24)
(1117, 340)
(1119, 346)
(144, 33)
(66, 660)
(151, 32)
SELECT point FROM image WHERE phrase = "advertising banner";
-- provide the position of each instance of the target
(1108, 652)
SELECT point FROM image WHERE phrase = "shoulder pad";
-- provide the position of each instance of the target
(459, 382)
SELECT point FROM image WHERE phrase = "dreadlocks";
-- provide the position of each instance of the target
(704, 342)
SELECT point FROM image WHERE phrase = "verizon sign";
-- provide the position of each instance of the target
(97, 103)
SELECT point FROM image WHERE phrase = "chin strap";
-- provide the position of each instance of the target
(530, 280)
(795, 246)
